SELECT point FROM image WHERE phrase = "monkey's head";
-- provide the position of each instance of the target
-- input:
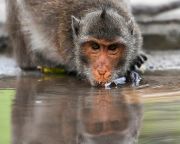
(105, 45)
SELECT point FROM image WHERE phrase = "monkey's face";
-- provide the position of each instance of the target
(102, 57)
(104, 45)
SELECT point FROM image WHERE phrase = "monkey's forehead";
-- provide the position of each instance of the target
(110, 26)
(106, 31)
(102, 40)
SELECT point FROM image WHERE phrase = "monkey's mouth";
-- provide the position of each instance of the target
(100, 82)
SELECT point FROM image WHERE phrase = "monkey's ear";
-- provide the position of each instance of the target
(75, 25)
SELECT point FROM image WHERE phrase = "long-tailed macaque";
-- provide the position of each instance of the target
(97, 39)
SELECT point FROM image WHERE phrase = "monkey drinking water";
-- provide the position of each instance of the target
(97, 39)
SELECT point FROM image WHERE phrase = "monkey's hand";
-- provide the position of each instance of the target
(132, 77)
(138, 62)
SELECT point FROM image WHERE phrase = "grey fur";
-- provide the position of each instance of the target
(63, 24)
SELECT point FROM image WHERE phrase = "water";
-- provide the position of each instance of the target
(64, 110)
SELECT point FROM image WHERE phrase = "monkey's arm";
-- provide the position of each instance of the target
(132, 75)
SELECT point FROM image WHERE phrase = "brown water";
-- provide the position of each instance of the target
(64, 110)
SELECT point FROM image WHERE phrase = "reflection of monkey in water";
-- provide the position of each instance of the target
(110, 117)
(98, 39)
(44, 113)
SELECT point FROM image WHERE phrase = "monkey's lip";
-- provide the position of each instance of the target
(101, 82)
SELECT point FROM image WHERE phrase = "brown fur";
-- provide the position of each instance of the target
(41, 33)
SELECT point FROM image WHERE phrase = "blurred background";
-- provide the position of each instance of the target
(159, 21)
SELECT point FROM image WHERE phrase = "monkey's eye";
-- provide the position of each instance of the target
(95, 46)
(113, 47)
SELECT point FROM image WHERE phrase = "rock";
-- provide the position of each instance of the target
(159, 23)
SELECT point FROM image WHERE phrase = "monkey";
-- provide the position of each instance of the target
(97, 39)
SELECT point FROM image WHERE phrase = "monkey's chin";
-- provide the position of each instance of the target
(97, 83)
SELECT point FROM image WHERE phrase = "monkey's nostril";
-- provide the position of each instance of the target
(102, 72)
(105, 75)
(101, 76)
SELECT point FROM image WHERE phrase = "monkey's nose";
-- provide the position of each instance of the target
(101, 72)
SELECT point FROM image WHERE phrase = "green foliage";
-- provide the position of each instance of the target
(6, 97)
(161, 124)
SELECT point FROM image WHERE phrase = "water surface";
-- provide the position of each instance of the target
(64, 110)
